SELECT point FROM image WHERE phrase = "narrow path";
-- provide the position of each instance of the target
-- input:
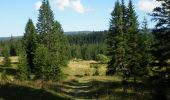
(78, 90)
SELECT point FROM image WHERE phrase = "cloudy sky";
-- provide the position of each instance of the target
(74, 15)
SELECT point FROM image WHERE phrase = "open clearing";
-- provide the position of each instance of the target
(80, 83)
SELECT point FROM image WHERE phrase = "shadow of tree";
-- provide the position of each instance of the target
(98, 89)
(14, 92)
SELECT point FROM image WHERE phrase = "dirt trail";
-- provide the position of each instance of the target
(78, 89)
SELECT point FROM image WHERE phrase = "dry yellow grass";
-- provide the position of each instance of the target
(14, 59)
(82, 68)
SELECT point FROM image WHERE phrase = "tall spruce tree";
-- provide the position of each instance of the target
(30, 43)
(51, 35)
(45, 23)
(145, 42)
(161, 15)
(132, 42)
(117, 41)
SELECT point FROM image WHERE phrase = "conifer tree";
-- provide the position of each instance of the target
(117, 41)
(41, 62)
(133, 53)
(30, 43)
(145, 42)
(6, 61)
(51, 35)
(45, 22)
(23, 72)
(124, 16)
(161, 49)
(12, 47)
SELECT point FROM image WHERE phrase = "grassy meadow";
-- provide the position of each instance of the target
(80, 83)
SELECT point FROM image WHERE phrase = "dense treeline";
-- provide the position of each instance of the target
(87, 45)
(139, 54)
(87, 38)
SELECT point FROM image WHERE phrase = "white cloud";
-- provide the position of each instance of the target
(38, 5)
(61, 4)
(75, 5)
(147, 5)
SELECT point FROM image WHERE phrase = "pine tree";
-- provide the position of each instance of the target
(145, 42)
(45, 22)
(30, 43)
(23, 72)
(117, 41)
(133, 53)
(41, 62)
(161, 49)
(124, 16)
(45, 63)
(12, 47)
(51, 35)
(6, 61)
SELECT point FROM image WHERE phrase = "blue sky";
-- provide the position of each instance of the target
(74, 15)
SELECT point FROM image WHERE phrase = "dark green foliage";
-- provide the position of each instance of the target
(116, 41)
(46, 64)
(6, 61)
(45, 22)
(133, 53)
(41, 61)
(128, 48)
(161, 48)
(23, 71)
(145, 42)
(58, 44)
(161, 33)
(84, 38)
(51, 35)
(87, 46)
(30, 43)
(12, 47)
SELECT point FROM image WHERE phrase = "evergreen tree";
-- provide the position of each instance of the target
(30, 42)
(161, 47)
(45, 63)
(117, 41)
(58, 44)
(51, 35)
(12, 47)
(145, 42)
(6, 61)
(124, 16)
(23, 67)
(41, 62)
(133, 53)
(45, 22)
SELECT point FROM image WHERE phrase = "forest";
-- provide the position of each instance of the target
(128, 61)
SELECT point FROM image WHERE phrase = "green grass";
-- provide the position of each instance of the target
(80, 83)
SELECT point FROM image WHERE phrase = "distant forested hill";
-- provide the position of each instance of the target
(83, 44)
(87, 45)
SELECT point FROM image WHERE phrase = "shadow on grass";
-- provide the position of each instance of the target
(13, 92)
(98, 90)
